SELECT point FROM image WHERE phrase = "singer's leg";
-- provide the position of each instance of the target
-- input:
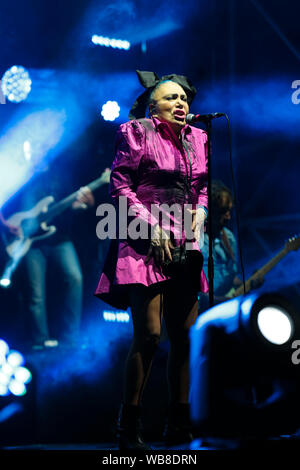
(146, 310)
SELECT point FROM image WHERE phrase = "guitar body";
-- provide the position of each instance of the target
(30, 227)
(41, 207)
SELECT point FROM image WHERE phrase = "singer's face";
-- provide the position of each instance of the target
(170, 104)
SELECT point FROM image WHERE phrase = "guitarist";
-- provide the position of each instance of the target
(224, 248)
(56, 252)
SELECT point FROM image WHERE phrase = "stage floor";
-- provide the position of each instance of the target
(207, 444)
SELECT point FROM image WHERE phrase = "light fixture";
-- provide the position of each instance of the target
(271, 320)
(16, 84)
(275, 324)
(110, 42)
(243, 380)
(13, 375)
(5, 282)
(110, 111)
(119, 317)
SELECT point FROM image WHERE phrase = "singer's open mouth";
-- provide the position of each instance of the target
(179, 114)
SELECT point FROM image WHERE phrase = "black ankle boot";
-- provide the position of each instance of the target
(178, 429)
(129, 428)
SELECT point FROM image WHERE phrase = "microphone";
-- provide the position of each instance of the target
(202, 117)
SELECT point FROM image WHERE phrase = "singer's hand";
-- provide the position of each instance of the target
(160, 247)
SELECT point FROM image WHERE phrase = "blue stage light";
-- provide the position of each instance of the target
(275, 324)
(22, 374)
(120, 317)
(17, 388)
(4, 348)
(15, 359)
(13, 375)
(24, 147)
(110, 111)
(108, 42)
(4, 379)
(4, 282)
(9, 410)
(7, 369)
(16, 84)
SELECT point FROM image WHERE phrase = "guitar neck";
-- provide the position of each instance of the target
(262, 272)
(65, 203)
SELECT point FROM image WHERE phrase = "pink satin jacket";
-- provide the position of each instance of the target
(152, 167)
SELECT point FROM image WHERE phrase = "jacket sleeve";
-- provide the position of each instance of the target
(129, 149)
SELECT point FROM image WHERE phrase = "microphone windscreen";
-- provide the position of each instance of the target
(189, 118)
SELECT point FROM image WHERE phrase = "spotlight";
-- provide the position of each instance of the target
(271, 320)
(15, 359)
(16, 84)
(4, 282)
(243, 379)
(275, 324)
(17, 388)
(110, 111)
(108, 42)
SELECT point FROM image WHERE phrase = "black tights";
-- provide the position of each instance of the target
(178, 303)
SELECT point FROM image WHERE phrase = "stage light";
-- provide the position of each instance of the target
(4, 348)
(9, 410)
(144, 47)
(4, 379)
(4, 282)
(13, 375)
(27, 150)
(269, 319)
(275, 324)
(22, 374)
(15, 359)
(243, 380)
(120, 317)
(44, 130)
(3, 390)
(108, 42)
(7, 369)
(109, 316)
(17, 388)
(16, 84)
(110, 111)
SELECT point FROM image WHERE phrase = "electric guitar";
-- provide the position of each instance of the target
(33, 224)
(292, 244)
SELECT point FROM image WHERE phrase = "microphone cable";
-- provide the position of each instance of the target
(236, 203)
